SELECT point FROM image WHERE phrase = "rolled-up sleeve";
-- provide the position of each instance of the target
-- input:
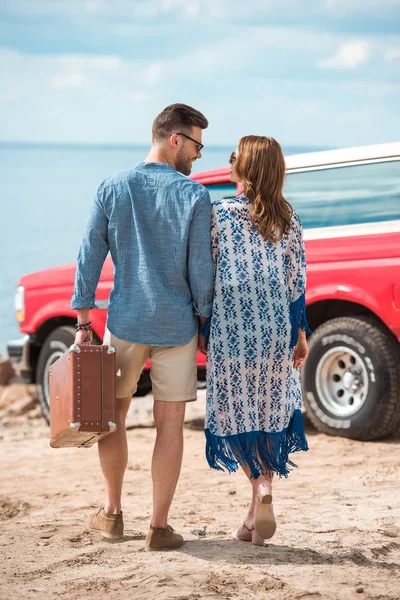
(92, 254)
(200, 264)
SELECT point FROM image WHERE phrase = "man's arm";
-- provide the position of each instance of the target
(92, 254)
(200, 265)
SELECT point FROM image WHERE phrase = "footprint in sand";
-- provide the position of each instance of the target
(11, 508)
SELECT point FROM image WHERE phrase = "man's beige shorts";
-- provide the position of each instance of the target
(173, 369)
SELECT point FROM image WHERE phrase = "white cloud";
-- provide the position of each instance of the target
(88, 62)
(349, 56)
(139, 96)
(366, 6)
(52, 7)
(75, 68)
(189, 7)
(153, 73)
(65, 80)
(91, 6)
(392, 54)
(207, 9)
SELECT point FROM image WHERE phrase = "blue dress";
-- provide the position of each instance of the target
(254, 398)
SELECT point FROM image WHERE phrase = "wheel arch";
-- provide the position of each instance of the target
(324, 310)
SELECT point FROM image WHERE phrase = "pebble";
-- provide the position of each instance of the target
(200, 532)
(360, 589)
(390, 531)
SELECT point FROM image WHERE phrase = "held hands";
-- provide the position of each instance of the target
(300, 352)
(201, 344)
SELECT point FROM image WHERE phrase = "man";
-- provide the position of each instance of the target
(156, 224)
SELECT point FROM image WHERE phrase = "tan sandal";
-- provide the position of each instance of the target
(244, 534)
(265, 523)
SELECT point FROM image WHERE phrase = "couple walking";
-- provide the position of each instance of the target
(243, 287)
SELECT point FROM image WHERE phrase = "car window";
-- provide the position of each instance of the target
(346, 195)
(221, 190)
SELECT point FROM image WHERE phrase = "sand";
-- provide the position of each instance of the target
(338, 515)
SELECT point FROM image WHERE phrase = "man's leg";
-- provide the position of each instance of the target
(113, 454)
(167, 457)
(113, 449)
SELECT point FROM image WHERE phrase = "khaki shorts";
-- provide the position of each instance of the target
(173, 369)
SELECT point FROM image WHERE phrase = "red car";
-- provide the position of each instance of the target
(349, 203)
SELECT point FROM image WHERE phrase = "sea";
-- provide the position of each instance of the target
(45, 192)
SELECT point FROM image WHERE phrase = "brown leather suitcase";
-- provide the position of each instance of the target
(82, 396)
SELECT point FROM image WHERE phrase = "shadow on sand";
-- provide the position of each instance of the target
(236, 552)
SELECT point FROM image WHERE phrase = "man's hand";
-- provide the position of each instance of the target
(81, 336)
(300, 352)
(84, 337)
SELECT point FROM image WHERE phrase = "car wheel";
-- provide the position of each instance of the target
(54, 347)
(351, 379)
(144, 384)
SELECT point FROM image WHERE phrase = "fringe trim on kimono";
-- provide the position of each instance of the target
(260, 451)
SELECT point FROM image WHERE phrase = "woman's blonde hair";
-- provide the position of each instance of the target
(260, 167)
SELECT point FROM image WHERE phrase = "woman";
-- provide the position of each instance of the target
(257, 332)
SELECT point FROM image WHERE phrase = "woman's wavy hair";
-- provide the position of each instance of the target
(260, 167)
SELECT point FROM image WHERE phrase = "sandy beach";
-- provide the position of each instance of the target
(338, 517)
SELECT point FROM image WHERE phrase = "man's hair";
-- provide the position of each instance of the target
(174, 118)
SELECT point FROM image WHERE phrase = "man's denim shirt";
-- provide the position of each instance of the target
(156, 224)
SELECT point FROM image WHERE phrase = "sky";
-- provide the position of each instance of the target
(318, 73)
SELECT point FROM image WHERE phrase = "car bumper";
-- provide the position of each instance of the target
(19, 353)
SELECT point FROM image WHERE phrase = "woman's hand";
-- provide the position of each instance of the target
(201, 344)
(300, 352)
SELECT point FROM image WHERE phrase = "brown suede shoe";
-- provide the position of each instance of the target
(160, 538)
(110, 526)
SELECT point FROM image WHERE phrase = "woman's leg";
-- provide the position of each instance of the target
(265, 481)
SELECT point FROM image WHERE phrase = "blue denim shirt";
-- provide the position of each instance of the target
(156, 224)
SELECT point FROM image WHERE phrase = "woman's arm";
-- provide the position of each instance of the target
(214, 239)
(204, 332)
(295, 260)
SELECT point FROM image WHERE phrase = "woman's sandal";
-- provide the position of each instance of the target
(265, 524)
(244, 534)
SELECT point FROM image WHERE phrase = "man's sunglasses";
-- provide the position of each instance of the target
(232, 158)
(199, 147)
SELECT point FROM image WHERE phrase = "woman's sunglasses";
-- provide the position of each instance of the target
(232, 158)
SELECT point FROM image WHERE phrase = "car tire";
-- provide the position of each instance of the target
(144, 384)
(53, 348)
(351, 379)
